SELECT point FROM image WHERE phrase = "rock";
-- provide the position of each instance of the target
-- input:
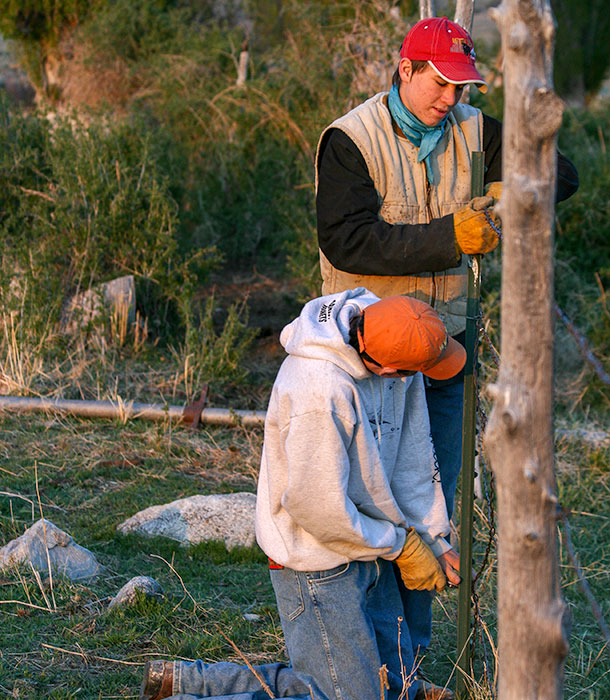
(13, 80)
(67, 557)
(225, 517)
(252, 617)
(139, 584)
(117, 297)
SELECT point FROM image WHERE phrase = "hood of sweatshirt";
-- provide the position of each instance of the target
(321, 331)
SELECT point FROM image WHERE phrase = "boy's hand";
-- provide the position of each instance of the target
(450, 563)
(419, 568)
(473, 234)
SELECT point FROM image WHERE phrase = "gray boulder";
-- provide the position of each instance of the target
(66, 557)
(117, 296)
(225, 517)
(139, 584)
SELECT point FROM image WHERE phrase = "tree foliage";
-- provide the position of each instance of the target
(40, 20)
(582, 49)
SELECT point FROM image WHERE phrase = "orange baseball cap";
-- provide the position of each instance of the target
(403, 333)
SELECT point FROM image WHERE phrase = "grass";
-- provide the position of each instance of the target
(92, 475)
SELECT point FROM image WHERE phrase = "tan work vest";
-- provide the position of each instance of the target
(405, 197)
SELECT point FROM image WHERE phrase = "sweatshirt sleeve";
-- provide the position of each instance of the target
(316, 495)
(351, 233)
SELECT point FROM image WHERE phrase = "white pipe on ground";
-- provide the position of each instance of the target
(128, 410)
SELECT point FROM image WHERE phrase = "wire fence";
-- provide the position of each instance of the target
(480, 637)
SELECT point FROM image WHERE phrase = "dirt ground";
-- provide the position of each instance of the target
(271, 305)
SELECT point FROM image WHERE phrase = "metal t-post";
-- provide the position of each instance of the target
(468, 447)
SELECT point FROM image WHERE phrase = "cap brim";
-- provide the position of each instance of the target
(459, 74)
(451, 362)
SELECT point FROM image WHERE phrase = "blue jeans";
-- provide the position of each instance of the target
(341, 626)
(445, 408)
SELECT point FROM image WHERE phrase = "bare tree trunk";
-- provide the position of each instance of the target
(532, 617)
(426, 9)
(242, 68)
(464, 12)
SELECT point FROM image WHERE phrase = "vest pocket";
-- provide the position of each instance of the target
(450, 207)
(396, 212)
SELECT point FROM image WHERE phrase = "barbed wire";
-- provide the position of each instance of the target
(488, 486)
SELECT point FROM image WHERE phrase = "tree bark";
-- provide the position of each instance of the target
(464, 14)
(532, 617)
(426, 9)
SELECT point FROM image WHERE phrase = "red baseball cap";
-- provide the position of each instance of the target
(447, 47)
(404, 333)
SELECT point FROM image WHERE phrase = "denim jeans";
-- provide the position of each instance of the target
(445, 408)
(340, 625)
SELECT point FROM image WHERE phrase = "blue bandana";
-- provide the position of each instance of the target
(423, 137)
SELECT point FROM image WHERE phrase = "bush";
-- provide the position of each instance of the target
(582, 53)
(251, 147)
(82, 205)
(40, 21)
(209, 354)
(582, 277)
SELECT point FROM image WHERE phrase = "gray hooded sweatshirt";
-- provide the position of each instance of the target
(348, 462)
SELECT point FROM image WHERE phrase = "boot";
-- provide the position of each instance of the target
(158, 680)
(429, 691)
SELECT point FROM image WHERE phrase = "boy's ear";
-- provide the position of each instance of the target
(405, 69)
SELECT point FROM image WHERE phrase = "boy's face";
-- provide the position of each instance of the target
(425, 94)
(388, 372)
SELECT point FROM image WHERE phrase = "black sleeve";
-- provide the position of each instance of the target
(351, 232)
(567, 175)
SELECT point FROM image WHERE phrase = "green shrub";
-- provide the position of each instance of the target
(584, 220)
(82, 205)
(582, 52)
(37, 26)
(251, 147)
(41, 20)
(207, 354)
(582, 277)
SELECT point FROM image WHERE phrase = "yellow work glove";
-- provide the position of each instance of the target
(494, 189)
(419, 568)
(473, 234)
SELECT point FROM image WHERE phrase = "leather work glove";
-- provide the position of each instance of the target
(419, 568)
(494, 189)
(473, 234)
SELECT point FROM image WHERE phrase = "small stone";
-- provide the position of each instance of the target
(139, 584)
(252, 617)
(117, 296)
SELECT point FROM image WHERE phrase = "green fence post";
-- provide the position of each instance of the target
(468, 448)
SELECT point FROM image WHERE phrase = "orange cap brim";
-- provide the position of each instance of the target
(450, 363)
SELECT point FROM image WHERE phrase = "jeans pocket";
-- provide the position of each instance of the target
(288, 593)
(328, 575)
